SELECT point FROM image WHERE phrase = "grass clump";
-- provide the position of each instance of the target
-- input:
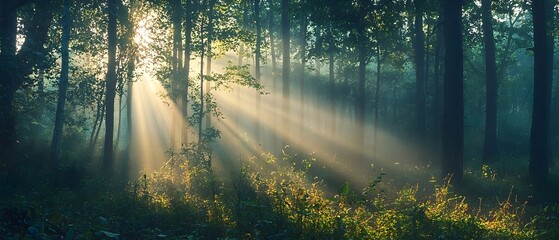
(267, 198)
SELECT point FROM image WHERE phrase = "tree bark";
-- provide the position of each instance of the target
(209, 56)
(257, 66)
(176, 18)
(377, 104)
(490, 142)
(360, 101)
(8, 86)
(111, 87)
(332, 83)
(453, 113)
(419, 47)
(302, 52)
(187, 54)
(286, 69)
(13, 68)
(540, 139)
(438, 66)
(56, 145)
(273, 55)
(131, 66)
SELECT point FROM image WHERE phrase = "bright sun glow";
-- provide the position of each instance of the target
(248, 132)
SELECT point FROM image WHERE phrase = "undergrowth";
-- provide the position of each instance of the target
(265, 198)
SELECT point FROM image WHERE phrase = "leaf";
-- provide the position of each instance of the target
(345, 189)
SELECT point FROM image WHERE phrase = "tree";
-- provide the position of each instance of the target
(110, 86)
(490, 140)
(419, 47)
(438, 67)
(56, 145)
(15, 68)
(257, 57)
(303, 22)
(177, 62)
(363, 59)
(189, 8)
(8, 83)
(540, 139)
(286, 68)
(209, 55)
(453, 110)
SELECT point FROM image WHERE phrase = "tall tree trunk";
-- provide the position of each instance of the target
(209, 56)
(419, 47)
(119, 121)
(331, 83)
(439, 51)
(201, 110)
(257, 66)
(13, 68)
(186, 69)
(273, 55)
(285, 37)
(111, 87)
(360, 100)
(540, 139)
(99, 117)
(8, 86)
(130, 67)
(490, 142)
(56, 145)
(551, 24)
(176, 18)
(453, 116)
(302, 52)
(377, 104)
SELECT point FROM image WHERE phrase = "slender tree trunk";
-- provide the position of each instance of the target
(453, 117)
(187, 54)
(257, 66)
(437, 113)
(8, 28)
(540, 139)
(394, 108)
(490, 142)
(119, 121)
(551, 24)
(419, 47)
(427, 72)
(332, 84)
(56, 145)
(360, 101)
(99, 116)
(111, 87)
(131, 66)
(302, 52)
(210, 27)
(285, 37)
(201, 110)
(273, 55)
(377, 104)
(176, 17)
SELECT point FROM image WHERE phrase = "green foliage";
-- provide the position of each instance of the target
(268, 196)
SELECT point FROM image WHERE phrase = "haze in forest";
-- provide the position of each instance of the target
(294, 119)
(241, 80)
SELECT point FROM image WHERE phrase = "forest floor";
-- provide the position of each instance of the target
(192, 202)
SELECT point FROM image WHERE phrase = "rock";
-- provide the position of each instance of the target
(33, 231)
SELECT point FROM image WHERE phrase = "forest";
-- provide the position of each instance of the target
(279, 119)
